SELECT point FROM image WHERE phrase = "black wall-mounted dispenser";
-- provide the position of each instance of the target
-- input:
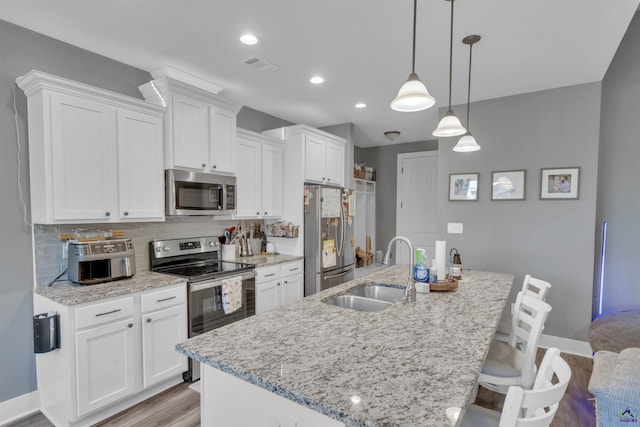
(46, 332)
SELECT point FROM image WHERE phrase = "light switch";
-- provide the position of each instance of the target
(454, 227)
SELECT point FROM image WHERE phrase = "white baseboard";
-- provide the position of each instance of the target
(567, 345)
(19, 407)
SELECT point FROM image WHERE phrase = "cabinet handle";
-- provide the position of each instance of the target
(293, 269)
(148, 320)
(109, 312)
(126, 213)
(164, 299)
(269, 275)
(107, 214)
(204, 165)
(130, 325)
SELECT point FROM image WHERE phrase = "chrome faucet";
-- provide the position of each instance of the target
(410, 291)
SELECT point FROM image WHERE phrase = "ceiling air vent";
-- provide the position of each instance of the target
(260, 64)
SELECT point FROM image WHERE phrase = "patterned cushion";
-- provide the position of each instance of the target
(615, 331)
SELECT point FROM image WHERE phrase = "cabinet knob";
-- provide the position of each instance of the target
(107, 214)
(278, 283)
(323, 178)
(257, 213)
(148, 320)
(286, 281)
(328, 179)
(130, 325)
(214, 166)
(126, 213)
(265, 213)
(204, 165)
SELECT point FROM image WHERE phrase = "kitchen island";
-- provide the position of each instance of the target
(311, 363)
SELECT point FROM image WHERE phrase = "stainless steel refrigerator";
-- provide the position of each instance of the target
(329, 253)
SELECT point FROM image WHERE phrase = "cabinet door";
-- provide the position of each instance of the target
(248, 180)
(140, 166)
(272, 185)
(222, 139)
(190, 132)
(161, 331)
(334, 168)
(292, 288)
(314, 159)
(268, 295)
(105, 359)
(83, 164)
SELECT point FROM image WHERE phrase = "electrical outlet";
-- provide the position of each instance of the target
(64, 249)
(277, 420)
(454, 228)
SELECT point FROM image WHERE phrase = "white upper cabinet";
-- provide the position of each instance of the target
(200, 126)
(94, 155)
(259, 177)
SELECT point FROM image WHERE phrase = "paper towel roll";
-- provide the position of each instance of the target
(441, 259)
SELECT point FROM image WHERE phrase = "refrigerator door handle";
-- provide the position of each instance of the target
(333, 276)
(342, 230)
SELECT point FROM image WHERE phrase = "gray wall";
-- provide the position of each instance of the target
(618, 173)
(257, 121)
(384, 160)
(550, 239)
(21, 51)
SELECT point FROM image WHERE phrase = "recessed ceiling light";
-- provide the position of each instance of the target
(361, 105)
(316, 80)
(249, 39)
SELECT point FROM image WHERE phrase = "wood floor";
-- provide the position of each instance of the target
(180, 406)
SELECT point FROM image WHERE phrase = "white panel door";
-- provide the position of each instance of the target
(83, 159)
(190, 133)
(334, 167)
(268, 295)
(272, 186)
(105, 359)
(314, 159)
(416, 203)
(248, 179)
(222, 140)
(140, 166)
(292, 288)
(161, 331)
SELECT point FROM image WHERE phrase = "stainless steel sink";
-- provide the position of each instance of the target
(370, 297)
(379, 291)
(358, 303)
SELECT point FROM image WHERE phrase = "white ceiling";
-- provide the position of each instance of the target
(361, 47)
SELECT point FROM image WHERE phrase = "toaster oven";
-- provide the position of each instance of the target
(100, 261)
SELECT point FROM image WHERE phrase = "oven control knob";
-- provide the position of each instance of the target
(166, 249)
(158, 249)
(213, 243)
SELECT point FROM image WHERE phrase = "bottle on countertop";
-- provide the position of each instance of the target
(421, 267)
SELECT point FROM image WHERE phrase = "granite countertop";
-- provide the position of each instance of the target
(68, 293)
(268, 260)
(407, 364)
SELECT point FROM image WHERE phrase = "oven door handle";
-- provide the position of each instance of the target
(208, 285)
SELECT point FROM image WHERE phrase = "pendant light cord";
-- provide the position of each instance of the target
(451, 54)
(413, 55)
(469, 86)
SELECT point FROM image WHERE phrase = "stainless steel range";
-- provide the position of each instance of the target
(197, 259)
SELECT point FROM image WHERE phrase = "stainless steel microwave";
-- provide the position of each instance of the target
(199, 193)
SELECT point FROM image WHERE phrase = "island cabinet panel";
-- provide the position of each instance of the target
(279, 285)
(94, 155)
(226, 405)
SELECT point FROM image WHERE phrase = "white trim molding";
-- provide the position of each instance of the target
(19, 407)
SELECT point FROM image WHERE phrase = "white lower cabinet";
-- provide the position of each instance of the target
(114, 353)
(279, 285)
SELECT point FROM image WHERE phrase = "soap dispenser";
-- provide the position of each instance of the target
(421, 268)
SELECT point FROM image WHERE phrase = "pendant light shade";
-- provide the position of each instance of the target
(450, 125)
(468, 143)
(413, 95)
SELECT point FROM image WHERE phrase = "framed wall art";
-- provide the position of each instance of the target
(463, 186)
(559, 183)
(508, 185)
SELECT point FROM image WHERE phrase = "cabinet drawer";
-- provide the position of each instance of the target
(104, 312)
(292, 268)
(163, 298)
(267, 273)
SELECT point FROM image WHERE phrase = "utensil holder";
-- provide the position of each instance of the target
(228, 252)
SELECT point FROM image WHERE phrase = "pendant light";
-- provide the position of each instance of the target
(468, 143)
(413, 95)
(449, 124)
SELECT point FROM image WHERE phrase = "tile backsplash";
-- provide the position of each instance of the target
(49, 248)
